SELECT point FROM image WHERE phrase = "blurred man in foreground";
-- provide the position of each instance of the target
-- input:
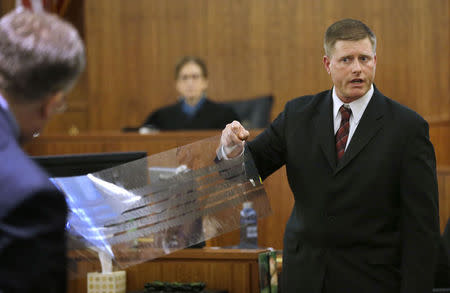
(41, 57)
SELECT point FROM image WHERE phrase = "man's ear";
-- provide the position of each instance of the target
(53, 104)
(326, 63)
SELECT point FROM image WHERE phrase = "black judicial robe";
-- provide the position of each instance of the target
(211, 115)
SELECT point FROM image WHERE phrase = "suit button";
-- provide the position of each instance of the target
(331, 218)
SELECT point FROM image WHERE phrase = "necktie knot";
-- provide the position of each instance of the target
(345, 112)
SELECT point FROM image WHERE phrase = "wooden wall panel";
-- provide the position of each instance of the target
(6, 5)
(254, 47)
(440, 137)
(76, 117)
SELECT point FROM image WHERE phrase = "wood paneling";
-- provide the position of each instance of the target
(440, 137)
(97, 142)
(6, 6)
(234, 270)
(76, 117)
(254, 47)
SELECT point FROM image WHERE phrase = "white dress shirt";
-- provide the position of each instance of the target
(357, 106)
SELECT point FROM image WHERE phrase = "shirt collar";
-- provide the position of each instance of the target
(191, 110)
(357, 106)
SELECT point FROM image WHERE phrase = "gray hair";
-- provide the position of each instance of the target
(40, 54)
(347, 30)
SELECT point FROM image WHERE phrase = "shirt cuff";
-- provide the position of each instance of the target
(222, 155)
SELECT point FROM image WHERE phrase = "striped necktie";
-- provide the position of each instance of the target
(342, 133)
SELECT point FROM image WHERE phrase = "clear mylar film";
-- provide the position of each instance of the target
(150, 207)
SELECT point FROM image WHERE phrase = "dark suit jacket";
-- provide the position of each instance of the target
(32, 221)
(442, 276)
(368, 223)
(210, 116)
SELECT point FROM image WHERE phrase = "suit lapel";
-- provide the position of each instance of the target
(371, 122)
(324, 129)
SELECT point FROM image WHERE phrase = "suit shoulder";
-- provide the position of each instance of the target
(401, 113)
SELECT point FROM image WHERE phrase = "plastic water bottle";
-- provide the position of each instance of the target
(249, 226)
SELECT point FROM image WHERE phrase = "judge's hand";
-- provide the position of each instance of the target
(233, 137)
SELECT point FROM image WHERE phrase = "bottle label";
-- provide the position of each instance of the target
(252, 231)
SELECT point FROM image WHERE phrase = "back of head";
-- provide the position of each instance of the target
(347, 30)
(40, 54)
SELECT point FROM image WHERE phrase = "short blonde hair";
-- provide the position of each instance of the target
(347, 30)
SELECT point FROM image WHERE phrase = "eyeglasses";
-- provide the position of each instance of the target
(194, 77)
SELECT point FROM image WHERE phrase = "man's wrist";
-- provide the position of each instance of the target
(223, 150)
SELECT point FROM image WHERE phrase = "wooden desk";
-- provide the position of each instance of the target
(234, 270)
(99, 142)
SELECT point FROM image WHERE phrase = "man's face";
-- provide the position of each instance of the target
(352, 68)
(191, 83)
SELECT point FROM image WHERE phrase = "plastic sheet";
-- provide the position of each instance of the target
(153, 206)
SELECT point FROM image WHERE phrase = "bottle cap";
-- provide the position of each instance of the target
(248, 205)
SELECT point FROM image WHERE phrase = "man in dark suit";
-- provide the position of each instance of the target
(362, 171)
(40, 58)
(442, 275)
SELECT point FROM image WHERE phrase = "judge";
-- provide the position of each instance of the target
(193, 110)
